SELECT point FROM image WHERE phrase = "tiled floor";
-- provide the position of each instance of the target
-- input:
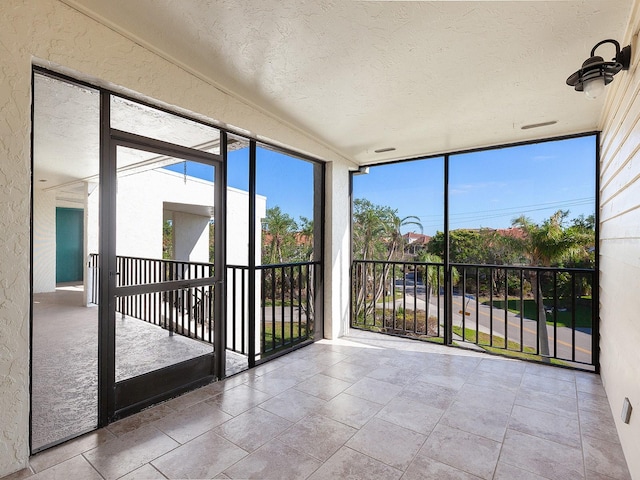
(366, 406)
(65, 361)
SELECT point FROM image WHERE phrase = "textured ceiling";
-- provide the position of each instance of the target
(423, 77)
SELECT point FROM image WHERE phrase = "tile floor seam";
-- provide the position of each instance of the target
(444, 462)
(477, 435)
(89, 462)
(521, 467)
(415, 455)
(376, 460)
(584, 458)
(152, 466)
(504, 438)
(322, 462)
(560, 446)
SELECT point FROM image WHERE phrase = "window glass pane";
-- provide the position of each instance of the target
(66, 156)
(397, 209)
(495, 195)
(285, 203)
(134, 117)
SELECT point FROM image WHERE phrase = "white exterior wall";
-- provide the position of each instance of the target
(44, 241)
(51, 34)
(238, 227)
(141, 199)
(620, 249)
(238, 255)
(190, 237)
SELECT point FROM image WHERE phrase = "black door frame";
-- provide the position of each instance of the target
(118, 399)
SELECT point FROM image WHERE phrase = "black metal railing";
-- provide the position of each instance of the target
(545, 314)
(188, 311)
(536, 311)
(287, 313)
(284, 303)
(238, 336)
(403, 298)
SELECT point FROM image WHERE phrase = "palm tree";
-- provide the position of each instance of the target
(433, 275)
(281, 230)
(545, 245)
(395, 225)
(376, 236)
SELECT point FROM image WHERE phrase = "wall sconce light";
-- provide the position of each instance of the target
(596, 73)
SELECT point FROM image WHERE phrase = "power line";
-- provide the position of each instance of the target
(509, 211)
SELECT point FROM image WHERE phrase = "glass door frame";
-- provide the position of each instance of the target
(119, 399)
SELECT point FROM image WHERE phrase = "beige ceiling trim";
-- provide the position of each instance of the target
(134, 38)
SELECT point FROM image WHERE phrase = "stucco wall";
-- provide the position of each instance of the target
(49, 33)
(620, 250)
(190, 237)
(44, 241)
(337, 252)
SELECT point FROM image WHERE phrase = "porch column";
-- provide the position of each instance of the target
(337, 255)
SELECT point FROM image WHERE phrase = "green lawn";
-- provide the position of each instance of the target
(583, 311)
(291, 335)
(512, 350)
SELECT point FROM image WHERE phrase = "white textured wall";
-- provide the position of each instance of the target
(139, 215)
(44, 241)
(238, 226)
(620, 250)
(190, 237)
(50, 33)
(238, 255)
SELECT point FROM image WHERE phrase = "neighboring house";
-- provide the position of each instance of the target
(415, 242)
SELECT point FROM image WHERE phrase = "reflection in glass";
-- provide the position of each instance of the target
(65, 246)
(130, 116)
(289, 261)
(238, 253)
(165, 232)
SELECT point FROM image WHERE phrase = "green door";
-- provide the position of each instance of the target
(69, 244)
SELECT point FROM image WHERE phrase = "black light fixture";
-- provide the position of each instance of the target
(596, 73)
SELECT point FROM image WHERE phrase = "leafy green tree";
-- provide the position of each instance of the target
(279, 236)
(167, 240)
(433, 275)
(377, 235)
(546, 245)
(305, 240)
(465, 246)
(370, 230)
(583, 229)
(396, 241)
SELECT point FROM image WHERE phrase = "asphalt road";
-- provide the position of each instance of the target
(564, 343)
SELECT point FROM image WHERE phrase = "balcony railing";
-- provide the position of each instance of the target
(287, 313)
(283, 302)
(544, 314)
(391, 297)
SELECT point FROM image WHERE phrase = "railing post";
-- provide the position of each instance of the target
(448, 279)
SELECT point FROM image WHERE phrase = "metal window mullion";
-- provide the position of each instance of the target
(573, 317)
(506, 309)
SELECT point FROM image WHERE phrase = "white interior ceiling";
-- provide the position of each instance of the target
(423, 77)
(67, 136)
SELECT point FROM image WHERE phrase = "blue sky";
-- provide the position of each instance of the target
(285, 181)
(487, 189)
